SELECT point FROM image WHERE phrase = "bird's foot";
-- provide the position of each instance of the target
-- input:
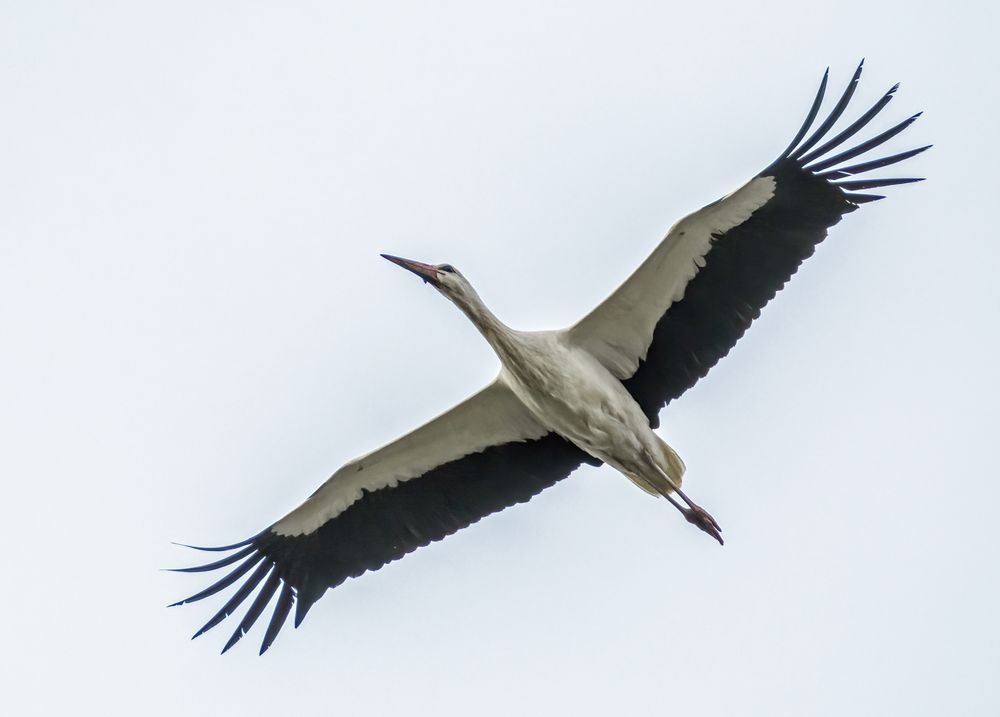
(698, 516)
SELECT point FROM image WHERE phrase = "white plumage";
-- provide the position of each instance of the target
(490, 417)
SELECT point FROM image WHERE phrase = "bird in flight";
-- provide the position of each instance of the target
(590, 393)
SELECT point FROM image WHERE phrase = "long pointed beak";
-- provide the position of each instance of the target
(424, 271)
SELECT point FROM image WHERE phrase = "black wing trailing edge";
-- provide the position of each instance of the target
(750, 263)
(382, 526)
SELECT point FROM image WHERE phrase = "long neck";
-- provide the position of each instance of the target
(501, 337)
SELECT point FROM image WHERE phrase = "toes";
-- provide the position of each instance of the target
(713, 532)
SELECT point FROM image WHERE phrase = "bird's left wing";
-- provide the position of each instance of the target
(686, 306)
(485, 454)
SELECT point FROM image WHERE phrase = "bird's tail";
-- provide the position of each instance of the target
(664, 473)
(671, 464)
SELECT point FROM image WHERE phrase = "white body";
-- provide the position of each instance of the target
(570, 392)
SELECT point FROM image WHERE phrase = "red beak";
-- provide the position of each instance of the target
(424, 271)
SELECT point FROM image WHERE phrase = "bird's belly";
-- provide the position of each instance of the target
(587, 406)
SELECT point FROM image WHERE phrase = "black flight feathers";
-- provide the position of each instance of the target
(814, 162)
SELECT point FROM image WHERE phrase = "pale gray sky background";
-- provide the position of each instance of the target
(197, 329)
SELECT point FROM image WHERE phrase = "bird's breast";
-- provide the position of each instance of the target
(572, 394)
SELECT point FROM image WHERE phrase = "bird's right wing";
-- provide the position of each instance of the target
(483, 455)
(689, 303)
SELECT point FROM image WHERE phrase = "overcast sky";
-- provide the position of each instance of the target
(197, 330)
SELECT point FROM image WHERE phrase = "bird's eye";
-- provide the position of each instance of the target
(448, 268)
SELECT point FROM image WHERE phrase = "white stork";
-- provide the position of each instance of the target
(587, 394)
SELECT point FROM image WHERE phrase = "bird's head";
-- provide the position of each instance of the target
(443, 277)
